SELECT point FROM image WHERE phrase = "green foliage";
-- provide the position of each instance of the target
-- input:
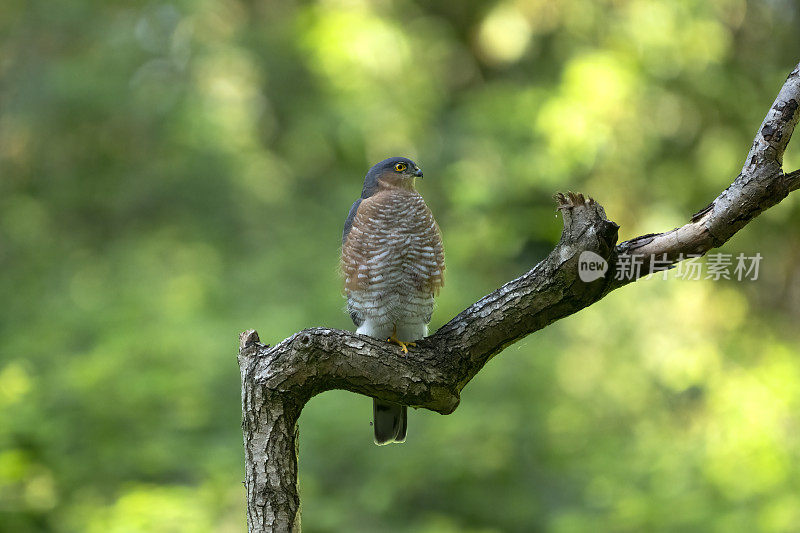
(174, 173)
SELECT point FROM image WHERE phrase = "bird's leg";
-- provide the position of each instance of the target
(403, 345)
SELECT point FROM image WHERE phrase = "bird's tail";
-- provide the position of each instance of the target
(389, 421)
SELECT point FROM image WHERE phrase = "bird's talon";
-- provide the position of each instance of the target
(403, 345)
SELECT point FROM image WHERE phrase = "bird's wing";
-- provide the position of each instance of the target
(432, 254)
(439, 247)
(348, 223)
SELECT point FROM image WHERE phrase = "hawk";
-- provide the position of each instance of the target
(393, 265)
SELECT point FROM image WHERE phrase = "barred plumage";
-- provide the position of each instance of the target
(393, 264)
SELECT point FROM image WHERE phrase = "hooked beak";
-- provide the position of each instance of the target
(418, 173)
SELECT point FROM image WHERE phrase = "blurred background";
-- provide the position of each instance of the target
(172, 173)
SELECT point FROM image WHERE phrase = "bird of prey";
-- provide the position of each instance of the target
(393, 265)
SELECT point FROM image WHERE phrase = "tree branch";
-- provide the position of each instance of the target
(278, 381)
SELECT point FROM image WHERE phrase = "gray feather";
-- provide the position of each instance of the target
(390, 421)
(348, 222)
(355, 316)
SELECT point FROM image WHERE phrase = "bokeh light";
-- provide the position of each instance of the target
(172, 173)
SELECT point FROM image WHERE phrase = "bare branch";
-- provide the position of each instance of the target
(760, 185)
(278, 381)
(793, 180)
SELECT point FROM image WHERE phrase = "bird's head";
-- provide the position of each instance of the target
(392, 172)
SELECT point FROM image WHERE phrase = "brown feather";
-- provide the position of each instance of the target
(394, 240)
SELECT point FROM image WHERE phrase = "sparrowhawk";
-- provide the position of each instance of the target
(393, 264)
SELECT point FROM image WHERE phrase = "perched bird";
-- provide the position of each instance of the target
(393, 264)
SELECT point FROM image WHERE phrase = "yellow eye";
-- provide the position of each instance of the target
(399, 167)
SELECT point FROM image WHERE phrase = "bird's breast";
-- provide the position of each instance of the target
(393, 246)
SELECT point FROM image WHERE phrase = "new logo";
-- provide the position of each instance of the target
(591, 266)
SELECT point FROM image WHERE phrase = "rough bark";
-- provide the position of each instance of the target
(278, 381)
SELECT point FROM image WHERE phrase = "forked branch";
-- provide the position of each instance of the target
(278, 381)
